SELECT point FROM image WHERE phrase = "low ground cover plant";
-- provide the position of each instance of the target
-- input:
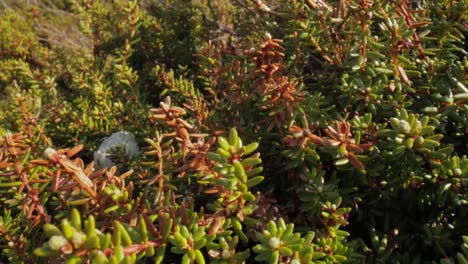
(233, 131)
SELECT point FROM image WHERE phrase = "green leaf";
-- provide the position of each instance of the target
(75, 219)
(92, 242)
(254, 171)
(251, 162)
(51, 230)
(233, 138)
(199, 257)
(160, 253)
(250, 148)
(274, 258)
(100, 258)
(223, 143)
(45, 252)
(383, 70)
(216, 157)
(254, 181)
(67, 229)
(239, 171)
(285, 251)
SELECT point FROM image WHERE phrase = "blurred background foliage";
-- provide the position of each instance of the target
(349, 141)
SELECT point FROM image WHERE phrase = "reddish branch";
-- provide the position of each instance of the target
(408, 20)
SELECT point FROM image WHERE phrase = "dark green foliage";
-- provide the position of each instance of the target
(269, 131)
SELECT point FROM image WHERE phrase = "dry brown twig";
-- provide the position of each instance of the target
(171, 115)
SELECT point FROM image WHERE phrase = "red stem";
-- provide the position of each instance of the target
(408, 18)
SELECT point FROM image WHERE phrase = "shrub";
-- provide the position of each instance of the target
(264, 131)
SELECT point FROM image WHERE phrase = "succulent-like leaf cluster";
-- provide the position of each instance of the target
(278, 241)
(75, 241)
